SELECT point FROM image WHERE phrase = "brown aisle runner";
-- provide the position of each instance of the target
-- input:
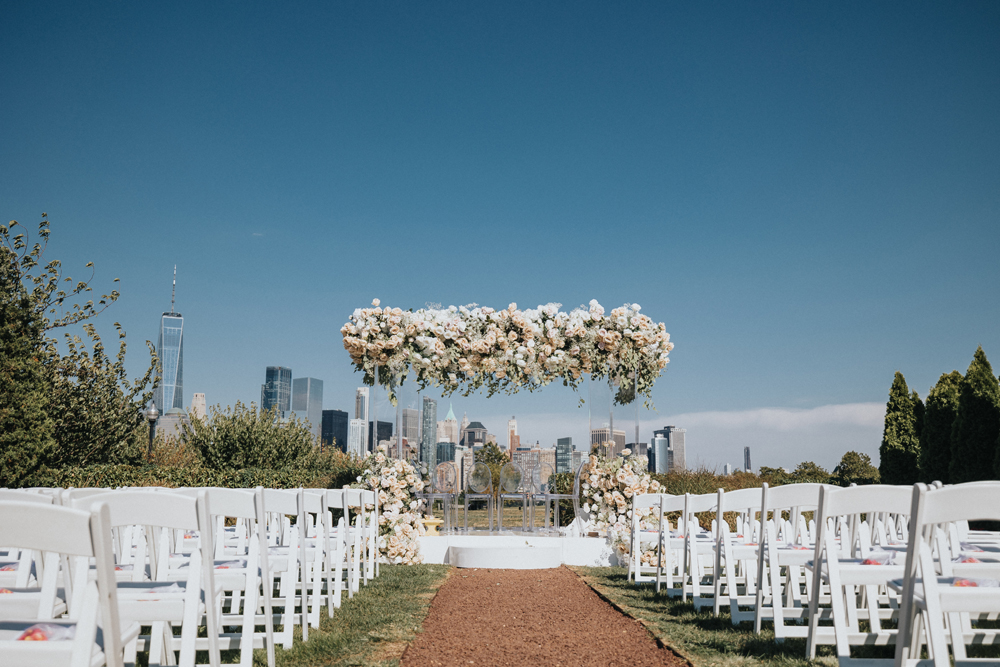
(529, 617)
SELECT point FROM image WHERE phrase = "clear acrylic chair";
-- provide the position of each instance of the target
(541, 491)
(445, 487)
(513, 483)
(479, 487)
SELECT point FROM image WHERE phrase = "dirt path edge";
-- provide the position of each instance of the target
(622, 609)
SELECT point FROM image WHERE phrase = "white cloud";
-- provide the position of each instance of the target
(789, 419)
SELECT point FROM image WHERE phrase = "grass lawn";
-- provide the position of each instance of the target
(703, 639)
(372, 628)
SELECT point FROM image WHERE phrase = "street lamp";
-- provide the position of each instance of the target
(151, 414)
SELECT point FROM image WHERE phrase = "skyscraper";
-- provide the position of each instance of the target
(383, 434)
(448, 428)
(675, 447)
(170, 348)
(198, 406)
(276, 393)
(428, 435)
(512, 434)
(334, 431)
(361, 403)
(356, 437)
(411, 427)
(660, 456)
(746, 460)
(307, 402)
(564, 455)
(601, 436)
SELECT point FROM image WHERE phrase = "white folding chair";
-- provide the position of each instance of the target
(79, 536)
(286, 559)
(737, 552)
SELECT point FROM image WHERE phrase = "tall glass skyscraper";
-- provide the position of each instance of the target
(276, 392)
(307, 402)
(170, 348)
(428, 435)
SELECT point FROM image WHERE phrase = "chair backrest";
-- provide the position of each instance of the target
(480, 479)
(445, 478)
(741, 500)
(281, 501)
(23, 496)
(540, 475)
(864, 499)
(962, 502)
(135, 507)
(511, 478)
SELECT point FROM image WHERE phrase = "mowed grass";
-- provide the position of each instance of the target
(372, 628)
(701, 638)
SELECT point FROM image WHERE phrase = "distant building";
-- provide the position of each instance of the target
(513, 442)
(276, 392)
(548, 456)
(490, 438)
(473, 435)
(675, 446)
(638, 449)
(527, 458)
(465, 422)
(428, 433)
(727, 470)
(447, 430)
(361, 404)
(307, 403)
(746, 460)
(356, 437)
(564, 455)
(578, 459)
(660, 456)
(170, 349)
(171, 424)
(334, 429)
(384, 433)
(411, 425)
(445, 452)
(601, 438)
(198, 406)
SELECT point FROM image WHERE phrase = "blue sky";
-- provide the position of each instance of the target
(806, 194)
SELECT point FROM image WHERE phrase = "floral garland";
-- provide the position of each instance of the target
(395, 481)
(508, 350)
(608, 490)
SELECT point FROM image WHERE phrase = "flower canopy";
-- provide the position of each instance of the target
(469, 347)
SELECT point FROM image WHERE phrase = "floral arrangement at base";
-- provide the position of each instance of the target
(608, 490)
(396, 482)
(509, 350)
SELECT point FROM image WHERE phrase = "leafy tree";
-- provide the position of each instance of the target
(245, 437)
(855, 468)
(977, 423)
(26, 438)
(900, 440)
(809, 472)
(495, 458)
(71, 409)
(935, 436)
(774, 476)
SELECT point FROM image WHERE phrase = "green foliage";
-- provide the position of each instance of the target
(244, 437)
(935, 436)
(495, 458)
(976, 428)
(900, 438)
(855, 468)
(25, 426)
(806, 472)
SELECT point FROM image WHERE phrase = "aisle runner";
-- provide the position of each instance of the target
(529, 617)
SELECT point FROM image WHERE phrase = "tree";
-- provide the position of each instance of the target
(977, 424)
(900, 442)
(855, 468)
(495, 458)
(245, 437)
(809, 472)
(73, 409)
(26, 437)
(935, 436)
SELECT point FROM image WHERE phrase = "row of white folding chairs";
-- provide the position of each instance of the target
(161, 571)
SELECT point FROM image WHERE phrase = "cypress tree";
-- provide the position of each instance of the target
(935, 437)
(976, 428)
(900, 444)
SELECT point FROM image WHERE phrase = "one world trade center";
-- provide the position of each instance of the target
(170, 348)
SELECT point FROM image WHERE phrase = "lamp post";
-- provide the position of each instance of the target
(151, 414)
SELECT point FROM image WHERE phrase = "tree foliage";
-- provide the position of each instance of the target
(71, 409)
(495, 458)
(977, 423)
(805, 472)
(900, 439)
(245, 437)
(935, 436)
(855, 468)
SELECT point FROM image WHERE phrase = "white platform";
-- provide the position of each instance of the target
(516, 551)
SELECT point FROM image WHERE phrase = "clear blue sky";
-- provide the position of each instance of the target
(807, 194)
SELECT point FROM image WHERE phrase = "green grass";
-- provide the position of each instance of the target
(373, 627)
(703, 639)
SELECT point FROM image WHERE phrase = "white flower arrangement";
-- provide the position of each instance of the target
(608, 489)
(396, 482)
(508, 350)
